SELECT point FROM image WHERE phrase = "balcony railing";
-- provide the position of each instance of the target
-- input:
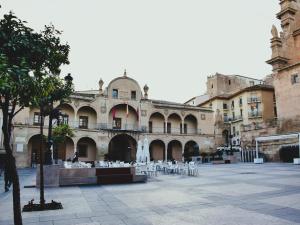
(254, 114)
(254, 100)
(123, 127)
(232, 119)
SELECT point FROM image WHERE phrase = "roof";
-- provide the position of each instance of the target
(263, 87)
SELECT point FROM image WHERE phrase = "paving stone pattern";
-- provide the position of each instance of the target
(241, 194)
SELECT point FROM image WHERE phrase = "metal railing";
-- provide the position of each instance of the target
(123, 127)
(254, 114)
(254, 99)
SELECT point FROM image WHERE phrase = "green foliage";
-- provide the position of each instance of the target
(61, 132)
(30, 64)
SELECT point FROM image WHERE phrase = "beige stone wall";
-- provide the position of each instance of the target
(287, 94)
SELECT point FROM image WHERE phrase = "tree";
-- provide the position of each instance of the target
(29, 62)
(60, 133)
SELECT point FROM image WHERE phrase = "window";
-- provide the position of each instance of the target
(185, 128)
(224, 106)
(225, 117)
(83, 122)
(203, 117)
(115, 93)
(36, 118)
(251, 83)
(233, 115)
(64, 119)
(232, 104)
(229, 82)
(241, 111)
(233, 131)
(212, 86)
(117, 123)
(295, 79)
(169, 128)
(133, 95)
(241, 101)
(82, 151)
(150, 126)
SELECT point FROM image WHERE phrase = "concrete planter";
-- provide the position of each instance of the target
(258, 160)
(51, 176)
(297, 161)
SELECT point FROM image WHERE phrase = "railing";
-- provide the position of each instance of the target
(123, 127)
(237, 118)
(254, 100)
(254, 114)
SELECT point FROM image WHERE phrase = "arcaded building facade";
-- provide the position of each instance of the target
(109, 123)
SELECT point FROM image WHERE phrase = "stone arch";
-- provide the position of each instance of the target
(118, 119)
(33, 146)
(174, 150)
(69, 112)
(122, 147)
(157, 150)
(190, 124)
(87, 149)
(65, 150)
(86, 117)
(174, 123)
(191, 148)
(156, 123)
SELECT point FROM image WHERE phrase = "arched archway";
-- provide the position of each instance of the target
(156, 123)
(122, 147)
(68, 114)
(190, 124)
(191, 149)
(157, 150)
(33, 147)
(65, 150)
(123, 117)
(87, 118)
(225, 135)
(174, 124)
(87, 149)
(174, 151)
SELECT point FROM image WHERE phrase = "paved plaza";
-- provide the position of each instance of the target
(242, 194)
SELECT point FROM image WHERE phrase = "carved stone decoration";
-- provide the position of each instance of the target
(274, 32)
(103, 109)
(183, 113)
(144, 113)
(101, 82)
(76, 103)
(166, 112)
(146, 89)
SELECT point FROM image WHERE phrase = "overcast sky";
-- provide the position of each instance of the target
(170, 45)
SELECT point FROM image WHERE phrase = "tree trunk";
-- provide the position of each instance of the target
(12, 170)
(42, 196)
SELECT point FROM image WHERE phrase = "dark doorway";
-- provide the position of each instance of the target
(122, 148)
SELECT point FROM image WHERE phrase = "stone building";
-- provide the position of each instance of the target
(285, 60)
(250, 106)
(109, 123)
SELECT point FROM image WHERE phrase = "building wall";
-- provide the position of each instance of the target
(99, 109)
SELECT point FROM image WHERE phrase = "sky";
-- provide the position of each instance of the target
(170, 45)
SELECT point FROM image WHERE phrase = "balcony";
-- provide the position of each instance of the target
(253, 115)
(254, 100)
(237, 119)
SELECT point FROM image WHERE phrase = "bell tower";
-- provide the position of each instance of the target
(287, 13)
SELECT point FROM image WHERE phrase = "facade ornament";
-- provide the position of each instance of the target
(146, 89)
(274, 32)
(125, 73)
(101, 82)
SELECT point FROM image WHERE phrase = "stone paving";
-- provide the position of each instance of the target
(242, 194)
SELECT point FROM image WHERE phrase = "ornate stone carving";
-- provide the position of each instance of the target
(274, 32)
(101, 82)
(103, 109)
(146, 89)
